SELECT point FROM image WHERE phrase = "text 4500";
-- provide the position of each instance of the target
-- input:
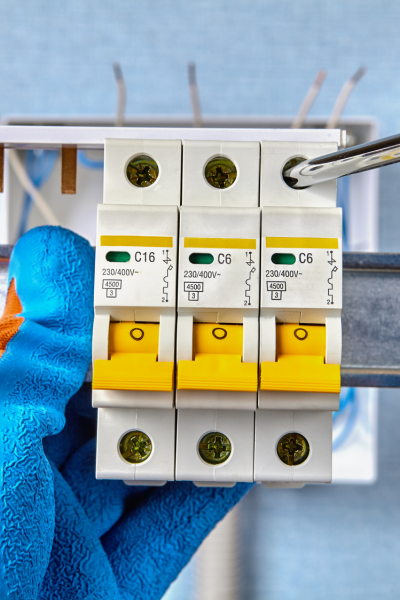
(276, 273)
(204, 274)
(118, 271)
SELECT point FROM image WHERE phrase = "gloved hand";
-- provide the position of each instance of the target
(63, 533)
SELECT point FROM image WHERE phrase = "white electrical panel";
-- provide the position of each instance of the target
(248, 272)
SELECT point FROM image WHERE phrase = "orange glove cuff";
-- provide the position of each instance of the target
(9, 323)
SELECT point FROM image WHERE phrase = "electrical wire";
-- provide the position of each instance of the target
(30, 188)
(309, 100)
(89, 163)
(39, 165)
(194, 94)
(121, 87)
(348, 401)
(344, 96)
(343, 192)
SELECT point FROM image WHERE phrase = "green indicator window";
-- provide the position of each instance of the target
(118, 256)
(283, 259)
(201, 258)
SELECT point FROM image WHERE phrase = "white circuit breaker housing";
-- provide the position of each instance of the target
(258, 298)
(135, 307)
(218, 305)
(300, 321)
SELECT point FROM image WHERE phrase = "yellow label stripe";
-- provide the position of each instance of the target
(302, 242)
(154, 241)
(227, 243)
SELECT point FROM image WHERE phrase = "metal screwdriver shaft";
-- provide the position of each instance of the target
(364, 157)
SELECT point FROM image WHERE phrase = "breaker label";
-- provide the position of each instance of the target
(204, 274)
(276, 285)
(111, 286)
(276, 288)
(112, 283)
(166, 278)
(193, 288)
(283, 273)
(331, 261)
(145, 264)
(118, 272)
(315, 283)
(232, 283)
(247, 291)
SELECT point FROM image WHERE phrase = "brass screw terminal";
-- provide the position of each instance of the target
(215, 448)
(135, 447)
(293, 449)
(220, 172)
(142, 171)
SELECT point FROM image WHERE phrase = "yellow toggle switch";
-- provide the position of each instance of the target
(217, 363)
(132, 362)
(300, 365)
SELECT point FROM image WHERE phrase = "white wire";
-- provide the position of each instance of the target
(28, 186)
(121, 105)
(344, 96)
(194, 94)
(309, 100)
(218, 561)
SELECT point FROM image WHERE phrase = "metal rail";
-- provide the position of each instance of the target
(370, 317)
(364, 157)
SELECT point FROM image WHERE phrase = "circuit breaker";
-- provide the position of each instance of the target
(218, 304)
(135, 310)
(217, 333)
(300, 322)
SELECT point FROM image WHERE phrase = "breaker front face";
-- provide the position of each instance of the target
(247, 274)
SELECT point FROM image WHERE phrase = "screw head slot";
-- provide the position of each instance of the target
(220, 172)
(135, 447)
(293, 449)
(215, 448)
(142, 171)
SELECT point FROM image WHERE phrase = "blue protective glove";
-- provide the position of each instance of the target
(63, 533)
